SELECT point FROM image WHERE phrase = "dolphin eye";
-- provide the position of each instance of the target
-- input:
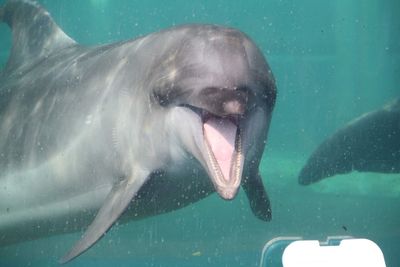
(160, 99)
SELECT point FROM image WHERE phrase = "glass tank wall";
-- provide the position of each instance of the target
(332, 60)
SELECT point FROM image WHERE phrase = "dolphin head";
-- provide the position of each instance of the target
(219, 92)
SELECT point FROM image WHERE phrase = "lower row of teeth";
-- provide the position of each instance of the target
(238, 149)
(213, 161)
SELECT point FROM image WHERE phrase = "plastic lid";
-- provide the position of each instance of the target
(348, 252)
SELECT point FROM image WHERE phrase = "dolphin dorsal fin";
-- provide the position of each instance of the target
(35, 34)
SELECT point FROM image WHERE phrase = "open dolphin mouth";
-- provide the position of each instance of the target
(223, 143)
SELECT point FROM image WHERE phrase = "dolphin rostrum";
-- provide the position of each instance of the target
(369, 143)
(139, 127)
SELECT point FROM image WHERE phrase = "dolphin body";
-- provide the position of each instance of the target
(139, 127)
(370, 143)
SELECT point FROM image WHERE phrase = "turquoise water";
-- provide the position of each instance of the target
(333, 61)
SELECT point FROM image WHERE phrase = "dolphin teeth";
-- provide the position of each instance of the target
(237, 167)
(224, 150)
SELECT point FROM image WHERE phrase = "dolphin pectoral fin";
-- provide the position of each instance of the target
(114, 205)
(258, 198)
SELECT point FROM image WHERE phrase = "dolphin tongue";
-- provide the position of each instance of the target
(221, 134)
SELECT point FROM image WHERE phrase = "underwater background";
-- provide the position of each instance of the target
(332, 60)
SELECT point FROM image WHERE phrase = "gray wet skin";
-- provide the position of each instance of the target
(370, 143)
(120, 128)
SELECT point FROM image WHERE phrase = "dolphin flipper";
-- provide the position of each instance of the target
(258, 198)
(114, 205)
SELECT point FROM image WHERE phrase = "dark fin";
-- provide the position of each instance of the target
(331, 157)
(115, 204)
(35, 34)
(258, 198)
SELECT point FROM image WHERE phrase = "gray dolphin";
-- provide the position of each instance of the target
(139, 127)
(370, 143)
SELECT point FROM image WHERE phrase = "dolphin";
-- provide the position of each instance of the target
(130, 129)
(369, 143)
